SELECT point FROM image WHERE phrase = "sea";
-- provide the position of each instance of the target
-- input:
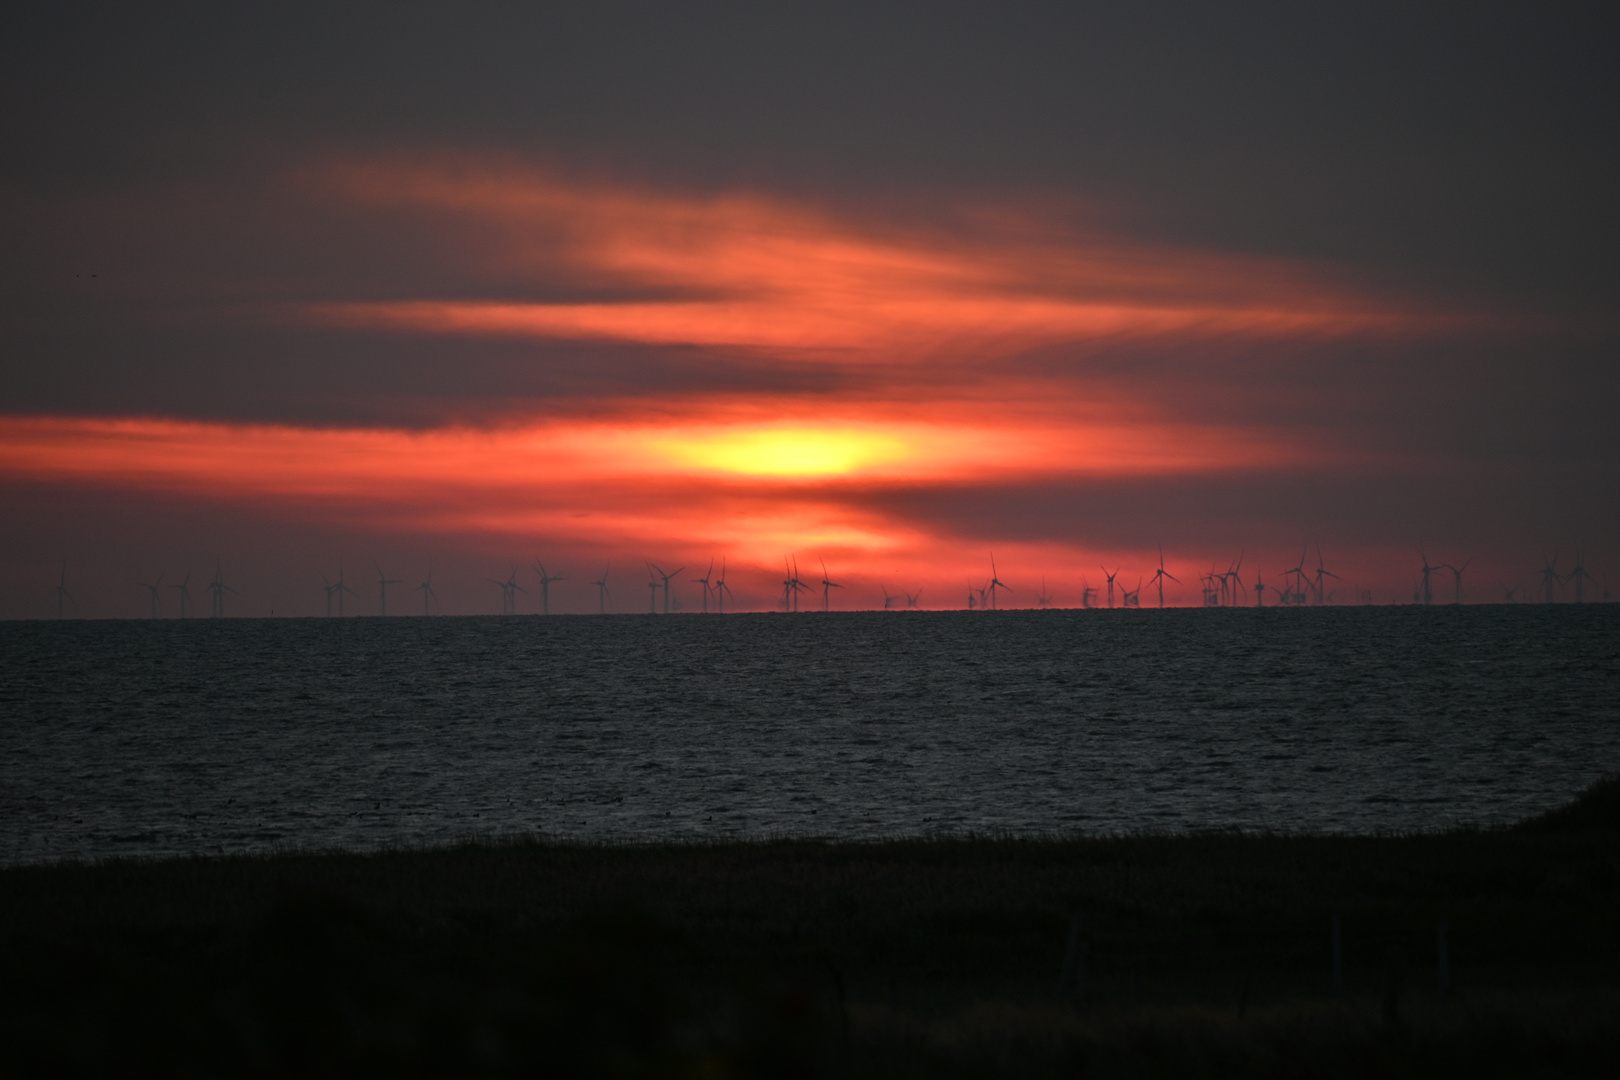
(186, 737)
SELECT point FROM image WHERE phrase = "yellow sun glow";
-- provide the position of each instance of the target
(786, 451)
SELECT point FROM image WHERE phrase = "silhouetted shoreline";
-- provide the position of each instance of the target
(1209, 952)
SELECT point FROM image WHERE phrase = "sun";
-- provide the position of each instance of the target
(786, 451)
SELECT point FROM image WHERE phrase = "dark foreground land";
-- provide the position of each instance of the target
(1206, 955)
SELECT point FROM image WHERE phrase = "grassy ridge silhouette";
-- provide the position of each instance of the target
(1206, 954)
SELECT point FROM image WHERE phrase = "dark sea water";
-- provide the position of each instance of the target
(201, 736)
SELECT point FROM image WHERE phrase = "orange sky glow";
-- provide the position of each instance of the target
(944, 309)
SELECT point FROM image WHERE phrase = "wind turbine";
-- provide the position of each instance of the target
(183, 591)
(1133, 597)
(1043, 600)
(652, 590)
(61, 590)
(1456, 574)
(218, 588)
(1232, 581)
(383, 581)
(1507, 592)
(667, 578)
(1110, 578)
(1295, 595)
(1086, 593)
(1550, 577)
(911, 597)
(152, 587)
(721, 588)
(426, 589)
(342, 587)
(826, 588)
(995, 582)
(791, 585)
(704, 581)
(1160, 575)
(509, 590)
(1259, 589)
(1322, 572)
(1579, 575)
(1428, 573)
(602, 590)
(795, 585)
(545, 586)
(888, 601)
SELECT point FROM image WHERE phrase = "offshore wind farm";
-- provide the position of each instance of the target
(676, 592)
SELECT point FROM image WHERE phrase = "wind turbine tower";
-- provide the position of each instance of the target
(1322, 572)
(1110, 578)
(995, 583)
(1232, 582)
(383, 581)
(602, 590)
(545, 586)
(1579, 575)
(721, 588)
(827, 587)
(152, 587)
(704, 581)
(1550, 577)
(61, 589)
(792, 587)
(183, 593)
(342, 587)
(426, 589)
(1428, 575)
(667, 578)
(671, 576)
(509, 590)
(1159, 576)
(1295, 594)
(1456, 575)
(218, 588)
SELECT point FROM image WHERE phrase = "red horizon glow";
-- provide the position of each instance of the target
(946, 312)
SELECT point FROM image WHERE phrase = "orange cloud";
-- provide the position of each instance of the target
(744, 271)
(755, 488)
(241, 459)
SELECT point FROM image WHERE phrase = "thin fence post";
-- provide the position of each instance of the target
(1338, 960)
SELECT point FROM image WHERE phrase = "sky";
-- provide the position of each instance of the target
(434, 292)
